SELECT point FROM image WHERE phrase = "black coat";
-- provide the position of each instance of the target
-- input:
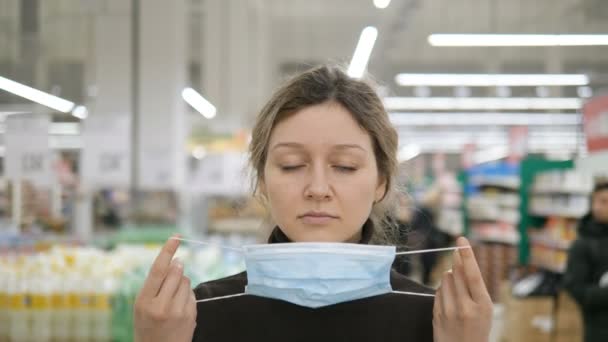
(587, 262)
(389, 317)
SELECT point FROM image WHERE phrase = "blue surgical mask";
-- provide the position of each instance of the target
(319, 274)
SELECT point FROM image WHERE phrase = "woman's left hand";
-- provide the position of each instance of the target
(463, 308)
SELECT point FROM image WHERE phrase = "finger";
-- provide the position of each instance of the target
(172, 282)
(448, 298)
(180, 301)
(159, 269)
(192, 304)
(460, 284)
(437, 313)
(473, 277)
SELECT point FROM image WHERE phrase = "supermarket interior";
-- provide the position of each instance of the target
(125, 122)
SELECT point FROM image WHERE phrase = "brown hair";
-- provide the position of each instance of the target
(330, 83)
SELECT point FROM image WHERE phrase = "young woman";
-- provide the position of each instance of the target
(323, 154)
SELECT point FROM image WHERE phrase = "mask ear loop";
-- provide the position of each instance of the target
(433, 250)
(426, 251)
(236, 249)
(222, 297)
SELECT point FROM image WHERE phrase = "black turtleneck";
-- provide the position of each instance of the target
(388, 317)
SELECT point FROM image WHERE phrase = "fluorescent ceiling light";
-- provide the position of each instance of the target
(80, 112)
(194, 99)
(517, 39)
(485, 119)
(382, 3)
(489, 80)
(363, 51)
(408, 152)
(35, 95)
(480, 103)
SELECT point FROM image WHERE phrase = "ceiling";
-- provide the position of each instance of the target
(303, 33)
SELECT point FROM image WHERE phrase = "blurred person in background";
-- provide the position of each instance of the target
(424, 223)
(586, 277)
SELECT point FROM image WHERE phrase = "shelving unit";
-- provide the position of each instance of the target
(491, 214)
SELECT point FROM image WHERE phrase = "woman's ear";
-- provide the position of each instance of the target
(381, 191)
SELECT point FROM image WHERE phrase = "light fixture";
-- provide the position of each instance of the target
(485, 119)
(408, 152)
(489, 80)
(198, 102)
(363, 51)
(80, 112)
(480, 103)
(441, 39)
(584, 92)
(382, 3)
(199, 152)
(36, 95)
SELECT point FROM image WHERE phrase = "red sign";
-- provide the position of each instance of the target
(595, 123)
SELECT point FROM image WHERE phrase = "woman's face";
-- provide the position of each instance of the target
(320, 176)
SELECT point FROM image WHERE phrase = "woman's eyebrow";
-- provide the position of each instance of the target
(349, 146)
(287, 144)
(335, 147)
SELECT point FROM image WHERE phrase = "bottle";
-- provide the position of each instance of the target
(101, 312)
(61, 321)
(18, 308)
(40, 309)
(4, 318)
(80, 304)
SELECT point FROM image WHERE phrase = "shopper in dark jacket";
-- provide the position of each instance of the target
(586, 276)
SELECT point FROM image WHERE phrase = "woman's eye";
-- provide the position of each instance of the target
(288, 168)
(346, 169)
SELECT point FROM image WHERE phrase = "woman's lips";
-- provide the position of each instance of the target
(317, 219)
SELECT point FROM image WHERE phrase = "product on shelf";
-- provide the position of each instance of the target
(550, 243)
(87, 294)
(495, 261)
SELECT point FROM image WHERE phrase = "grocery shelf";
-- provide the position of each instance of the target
(550, 242)
(558, 213)
(549, 267)
(560, 191)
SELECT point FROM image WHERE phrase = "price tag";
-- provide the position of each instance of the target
(28, 155)
(107, 151)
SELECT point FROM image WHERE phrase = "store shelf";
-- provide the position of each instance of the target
(560, 191)
(503, 183)
(549, 267)
(550, 242)
(495, 235)
(496, 239)
(556, 212)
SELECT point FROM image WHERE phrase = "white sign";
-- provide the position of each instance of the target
(223, 174)
(28, 154)
(156, 167)
(107, 151)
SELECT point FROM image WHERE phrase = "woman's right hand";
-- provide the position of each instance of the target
(165, 308)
